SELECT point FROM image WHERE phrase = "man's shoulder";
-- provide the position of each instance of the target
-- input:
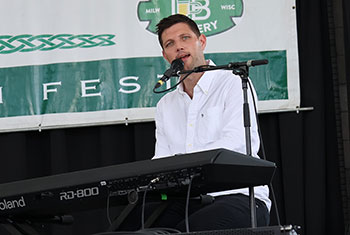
(226, 78)
(223, 74)
(168, 97)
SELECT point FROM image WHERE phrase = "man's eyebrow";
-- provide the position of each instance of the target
(169, 40)
(185, 34)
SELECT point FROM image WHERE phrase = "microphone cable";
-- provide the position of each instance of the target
(195, 70)
(186, 207)
(144, 201)
(263, 151)
(158, 92)
(188, 204)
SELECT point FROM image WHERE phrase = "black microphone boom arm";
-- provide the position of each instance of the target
(229, 66)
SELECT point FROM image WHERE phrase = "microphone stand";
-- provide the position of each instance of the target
(241, 69)
(243, 72)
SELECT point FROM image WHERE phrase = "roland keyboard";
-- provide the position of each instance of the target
(208, 171)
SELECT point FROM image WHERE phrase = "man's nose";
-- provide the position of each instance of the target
(179, 46)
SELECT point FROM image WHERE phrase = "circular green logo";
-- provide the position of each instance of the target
(212, 16)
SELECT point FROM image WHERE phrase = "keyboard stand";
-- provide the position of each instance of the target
(16, 228)
(120, 219)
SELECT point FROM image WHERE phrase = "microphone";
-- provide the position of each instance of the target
(249, 63)
(176, 66)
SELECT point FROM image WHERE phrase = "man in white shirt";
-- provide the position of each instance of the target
(204, 112)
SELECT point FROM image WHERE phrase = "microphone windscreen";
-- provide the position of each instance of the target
(177, 65)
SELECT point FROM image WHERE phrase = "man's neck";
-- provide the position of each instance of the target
(190, 82)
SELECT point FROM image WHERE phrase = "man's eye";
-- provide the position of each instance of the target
(169, 44)
(185, 37)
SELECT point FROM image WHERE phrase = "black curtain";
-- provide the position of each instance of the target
(346, 15)
(303, 145)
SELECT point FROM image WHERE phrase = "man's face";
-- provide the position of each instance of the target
(179, 41)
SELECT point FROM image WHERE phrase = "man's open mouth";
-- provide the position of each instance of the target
(184, 57)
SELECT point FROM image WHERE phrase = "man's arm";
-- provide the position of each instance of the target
(161, 147)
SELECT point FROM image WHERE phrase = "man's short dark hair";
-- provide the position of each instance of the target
(174, 19)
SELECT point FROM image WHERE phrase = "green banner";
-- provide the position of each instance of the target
(115, 83)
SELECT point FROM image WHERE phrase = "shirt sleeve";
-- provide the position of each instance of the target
(161, 148)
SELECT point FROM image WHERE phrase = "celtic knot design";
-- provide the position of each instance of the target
(47, 42)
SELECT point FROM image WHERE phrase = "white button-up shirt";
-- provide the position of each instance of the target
(213, 118)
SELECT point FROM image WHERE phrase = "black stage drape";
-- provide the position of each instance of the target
(303, 145)
(346, 16)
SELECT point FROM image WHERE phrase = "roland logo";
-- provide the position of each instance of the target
(12, 204)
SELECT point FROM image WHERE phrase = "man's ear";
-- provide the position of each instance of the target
(203, 41)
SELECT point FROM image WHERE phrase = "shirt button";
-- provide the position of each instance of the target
(189, 145)
(191, 125)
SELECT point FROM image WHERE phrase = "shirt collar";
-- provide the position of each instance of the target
(206, 80)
